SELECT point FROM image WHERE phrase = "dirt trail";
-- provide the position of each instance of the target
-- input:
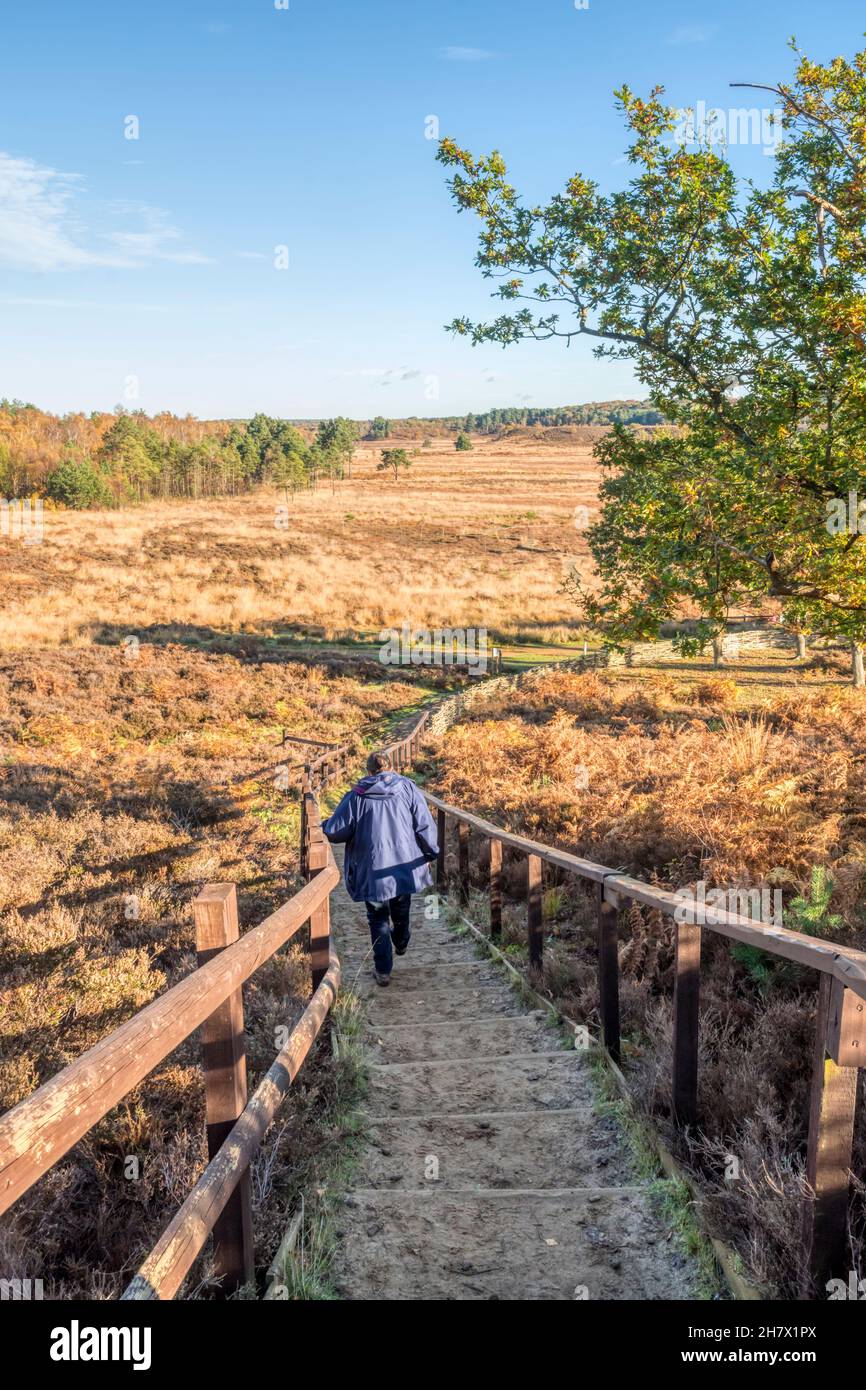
(487, 1174)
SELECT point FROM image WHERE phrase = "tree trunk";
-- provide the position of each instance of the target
(717, 651)
(857, 665)
(801, 646)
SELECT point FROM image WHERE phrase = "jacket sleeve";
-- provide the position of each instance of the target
(340, 827)
(423, 824)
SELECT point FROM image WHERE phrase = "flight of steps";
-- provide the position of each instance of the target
(487, 1174)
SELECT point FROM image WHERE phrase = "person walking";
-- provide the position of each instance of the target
(390, 839)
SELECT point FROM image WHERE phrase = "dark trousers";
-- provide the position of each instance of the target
(389, 920)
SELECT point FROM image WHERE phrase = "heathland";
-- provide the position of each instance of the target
(153, 657)
(478, 538)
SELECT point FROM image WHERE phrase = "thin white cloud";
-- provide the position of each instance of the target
(387, 376)
(33, 302)
(40, 228)
(693, 33)
(454, 53)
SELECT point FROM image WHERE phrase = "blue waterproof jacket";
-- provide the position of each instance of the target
(389, 835)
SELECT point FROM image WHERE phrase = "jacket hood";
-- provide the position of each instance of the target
(378, 784)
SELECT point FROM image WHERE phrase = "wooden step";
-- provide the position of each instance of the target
(436, 995)
(540, 1149)
(572, 1244)
(485, 1037)
(539, 1081)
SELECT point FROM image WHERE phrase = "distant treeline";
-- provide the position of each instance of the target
(112, 459)
(492, 421)
(510, 417)
(105, 460)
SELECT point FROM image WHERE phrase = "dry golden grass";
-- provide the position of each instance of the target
(474, 539)
(141, 779)
(125, 785)
(666, 792)
(680, 779)
(131, 778)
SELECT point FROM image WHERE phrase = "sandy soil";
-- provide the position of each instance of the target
(488, 1174)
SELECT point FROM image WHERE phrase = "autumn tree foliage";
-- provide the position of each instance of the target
(128, 457)
(742, 310)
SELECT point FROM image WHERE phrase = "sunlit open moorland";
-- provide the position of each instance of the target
(478, 538)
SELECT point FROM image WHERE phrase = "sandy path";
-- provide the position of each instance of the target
(487, 1173)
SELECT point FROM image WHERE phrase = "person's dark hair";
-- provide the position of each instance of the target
(378, 762)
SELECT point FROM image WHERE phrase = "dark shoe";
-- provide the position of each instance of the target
(400, 950)
(382, 980)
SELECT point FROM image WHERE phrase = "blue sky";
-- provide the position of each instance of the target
(143, 270)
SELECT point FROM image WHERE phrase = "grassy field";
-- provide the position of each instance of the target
(470, 539)
(125, 785)
(150, 661)
(748, 779)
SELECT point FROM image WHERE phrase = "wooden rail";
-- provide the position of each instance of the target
(841, 1024)
(38, 1131)
(840, 1038)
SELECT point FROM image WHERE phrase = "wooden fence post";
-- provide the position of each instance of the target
(303, 848)
(463, 859)
(320, 917)
(495, 890)
(840, 1043)
(608, 974)
(441, 826)
(215, 913)
(687, 968)
(533, 906)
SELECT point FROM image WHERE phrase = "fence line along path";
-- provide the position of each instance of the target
(487, 1174)
(838, 1053)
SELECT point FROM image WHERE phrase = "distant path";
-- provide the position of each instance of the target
(487, 1174)
(515, 655)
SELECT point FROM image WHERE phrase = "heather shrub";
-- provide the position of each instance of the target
(625, 774)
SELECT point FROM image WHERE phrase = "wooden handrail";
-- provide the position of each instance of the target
(37, 1132)
(843, 962)
(558, 858)
(840, 1037)
(40, 1129)
(181, 1243)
